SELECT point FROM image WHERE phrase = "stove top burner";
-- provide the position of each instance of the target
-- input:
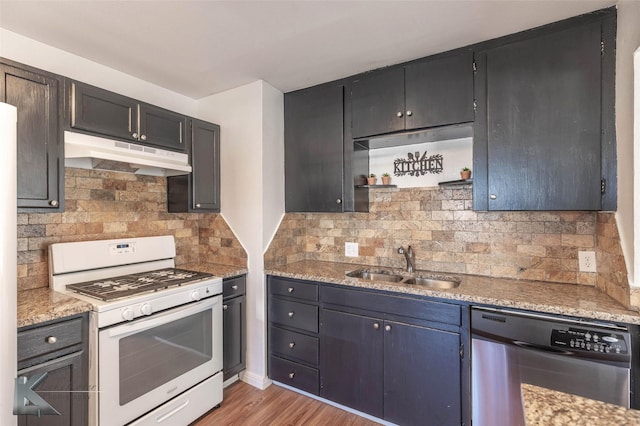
(127, 285)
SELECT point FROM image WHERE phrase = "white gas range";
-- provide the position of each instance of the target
(155, 331)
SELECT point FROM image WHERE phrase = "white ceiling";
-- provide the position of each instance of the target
(198, 48)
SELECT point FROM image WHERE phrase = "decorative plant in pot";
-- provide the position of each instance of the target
(386, 179)
(465, 173)
(372, 179)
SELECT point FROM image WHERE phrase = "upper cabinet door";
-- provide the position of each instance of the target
(439, 91)
(36, 95)
(313, 149)
(163, 128)
(377, 103)
(537, 141)
(205, 160)
(100, 111)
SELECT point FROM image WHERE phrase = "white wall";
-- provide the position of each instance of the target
(636, 155)
(628, 39)
(30, 52)
(252, 191)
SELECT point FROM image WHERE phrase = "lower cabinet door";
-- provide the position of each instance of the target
(64, 375)
(233, 320)
(352, 361)
(421, 375)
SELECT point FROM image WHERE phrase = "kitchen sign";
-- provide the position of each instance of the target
(418, 165)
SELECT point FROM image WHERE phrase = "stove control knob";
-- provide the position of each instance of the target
(127, 314)
(196, 295)
(146, 309)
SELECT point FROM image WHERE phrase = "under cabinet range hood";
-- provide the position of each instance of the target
(92, 152)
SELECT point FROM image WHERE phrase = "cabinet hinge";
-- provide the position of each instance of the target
(475, 67)
(461, 350)
(603, 186)
(475, 105)
(602, 47)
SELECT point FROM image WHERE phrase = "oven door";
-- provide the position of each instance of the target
(144, 363)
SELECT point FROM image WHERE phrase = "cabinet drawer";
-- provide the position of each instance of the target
(296, 375)
(293, 345)
(293, 288)
(232, 287)
(50, 338)
(294, 314)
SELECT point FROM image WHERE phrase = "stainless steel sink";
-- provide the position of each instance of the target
(376, 275)
(433, 281)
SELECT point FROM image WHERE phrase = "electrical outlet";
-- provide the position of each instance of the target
(351, 249)
(587, 261)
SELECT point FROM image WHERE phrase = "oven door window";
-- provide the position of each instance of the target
(156, 356)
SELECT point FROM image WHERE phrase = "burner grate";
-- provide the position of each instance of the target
(128, 285)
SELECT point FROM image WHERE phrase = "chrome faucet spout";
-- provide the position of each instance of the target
(409, 256)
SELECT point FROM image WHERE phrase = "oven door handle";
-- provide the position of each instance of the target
(149, 322)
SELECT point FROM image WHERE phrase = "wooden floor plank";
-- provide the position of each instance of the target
(245, 405)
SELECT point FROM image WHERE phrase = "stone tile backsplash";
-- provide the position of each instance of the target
(105, 205)
(448, 236)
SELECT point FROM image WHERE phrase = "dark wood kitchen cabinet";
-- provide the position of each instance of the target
(198, 191)
(37, 95)
(234, 325)
(105, 113)
(316, 166)
(396, 358)
(436, 91)
(58, 348)
(293, 333)
(544, 132)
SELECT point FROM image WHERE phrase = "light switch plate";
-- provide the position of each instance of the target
(351, 249)
(587, 261)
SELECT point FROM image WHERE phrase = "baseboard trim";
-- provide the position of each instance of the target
(256, 380)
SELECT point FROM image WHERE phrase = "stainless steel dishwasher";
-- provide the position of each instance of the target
(509, 348)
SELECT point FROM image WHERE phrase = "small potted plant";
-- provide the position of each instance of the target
(372, 179)
(465, 173)
(386, 179)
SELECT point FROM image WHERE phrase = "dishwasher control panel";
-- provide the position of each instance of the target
(589, 340)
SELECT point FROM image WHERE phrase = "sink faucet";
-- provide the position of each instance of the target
(410, 256)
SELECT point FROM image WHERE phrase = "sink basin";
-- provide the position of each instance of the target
(376, 275)
(433, 282)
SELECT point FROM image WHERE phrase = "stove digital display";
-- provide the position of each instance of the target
(122, 248)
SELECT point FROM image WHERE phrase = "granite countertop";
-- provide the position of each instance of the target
(545, 407)
(563, 299)
(43, 304)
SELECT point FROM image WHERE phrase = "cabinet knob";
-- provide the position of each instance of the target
(290, 289)
(493, 196)
(225, 307)
(198, 205)
(292, 375)
(143, 137)
(290, 314)
(338, 200)
(399, 114)
(53, 203)
(409, 113)
(376, 326)
(387, 327)
(134, 135)
(52, 339)
(234, 287)
(291, 345)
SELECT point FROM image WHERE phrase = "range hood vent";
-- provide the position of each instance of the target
(92, 152)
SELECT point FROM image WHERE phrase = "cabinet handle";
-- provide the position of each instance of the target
(290, 289)
(234, 287)
(134, 135)
(339, 201)
(225, 307)
(399, 114)
(290, 314)
(493, 196)
(53, 203)
(387, 327)
(143, 137)
(292, 375)
(52, 339)
(198, 205)
(409, 113)
(291, 345)
(376, 326)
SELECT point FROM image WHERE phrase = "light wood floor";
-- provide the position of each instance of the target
(275, 406)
